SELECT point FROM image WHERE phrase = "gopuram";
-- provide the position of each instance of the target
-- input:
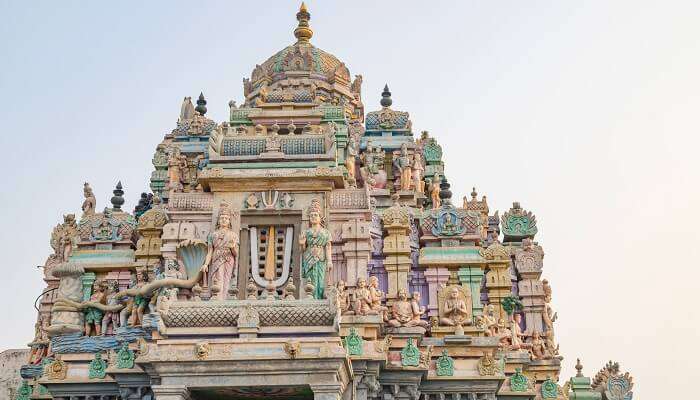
(303, 250)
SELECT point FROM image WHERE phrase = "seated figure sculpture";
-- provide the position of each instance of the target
(363, 299)
(405, 313)
(456, 311)
(344, 299)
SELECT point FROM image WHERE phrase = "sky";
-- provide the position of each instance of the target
(584, 112)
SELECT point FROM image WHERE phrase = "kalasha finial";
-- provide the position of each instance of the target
(386, 97)
(303, 32)
(117, 200)
(579, 368)
(474, 194)
(445, 192)
(201, 104)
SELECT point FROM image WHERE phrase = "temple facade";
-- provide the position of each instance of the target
(303, 249)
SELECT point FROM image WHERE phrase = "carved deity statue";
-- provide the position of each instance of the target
(64, 237)
(93, 316)
(111, 317)
(488, 320)
(187, 109)
(350, 159)
(418, 169)
(455, 310)
(539, 349)
(177, 170)
(222, 252)
(406, 313)
(517, 333)
(139, 302)
(90, 201)
(403, 163)
(435, 191)
(363, 298)
(344, 299)
(316, 261)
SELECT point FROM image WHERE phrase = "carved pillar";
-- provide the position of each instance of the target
(356, 250)
(498, 283)
(329, 391)
(397, 249)
(436, 278)
(171, 392)
(471, 278)
(87, 279)
(150, 227)
(528, 262)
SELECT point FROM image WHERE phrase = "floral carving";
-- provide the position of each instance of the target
(517, 223)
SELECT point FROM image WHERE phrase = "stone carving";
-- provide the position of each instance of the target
(488, 365)
(372, 171)
(345, 303)
(112, 299)
(519, 382)
(354, 343)
(364, 300)
(528, 258)
(444, 366)
(177, 170)
(350, 159)
(98, 367)
(496, 251)
(64, 238)
(435, 192)
(202, 350)
(65, 314)
(406, 313)
(518, 224)
(487, 321)
(612, 383)
(417, 169)
(125, 357)
(292, 348)
(56, 370)
(90, 202)
(107, 226)
(454, 307)
(403, 163)
(432, 151)
(549, 389)
(93, 315)
(410, 355)
(539, 348)
(317, 257)
(24, 391)
(222, 252)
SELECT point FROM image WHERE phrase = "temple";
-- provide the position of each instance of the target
(304, 249)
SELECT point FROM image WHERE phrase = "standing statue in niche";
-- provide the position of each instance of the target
(435, 191)
(93, 316)
(418, 168)
(111, 317)
(403, 163)
(316, 261)
(455, 309)
(222, 252)
(350, 160)
(90, 201)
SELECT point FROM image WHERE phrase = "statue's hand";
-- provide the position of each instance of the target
(205, 267)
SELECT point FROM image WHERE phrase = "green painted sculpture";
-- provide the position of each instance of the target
(354, 343)
(98, 367)
(549, 389)
(316, 259)
(518, 381)
(24, 392)
(125, 357)
(445, 365)
(410, 355)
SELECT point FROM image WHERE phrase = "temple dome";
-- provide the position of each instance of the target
(302, 73)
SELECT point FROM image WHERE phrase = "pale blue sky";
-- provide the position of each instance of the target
(585, 112)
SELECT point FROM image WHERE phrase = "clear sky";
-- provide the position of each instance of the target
(584, 111)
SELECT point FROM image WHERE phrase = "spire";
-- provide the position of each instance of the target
(201, 104)
(117, 200)
(303, 32)
(386, 97)
(579, 368)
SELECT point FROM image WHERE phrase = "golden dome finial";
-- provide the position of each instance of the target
(303, 32)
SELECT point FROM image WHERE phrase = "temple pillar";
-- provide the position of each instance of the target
(87, 280)
(528, 263)
(356, 250)
(436, 278)
(397, 248)
(471, 277)
(327, 391)
(171, 392)
(498, 287)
